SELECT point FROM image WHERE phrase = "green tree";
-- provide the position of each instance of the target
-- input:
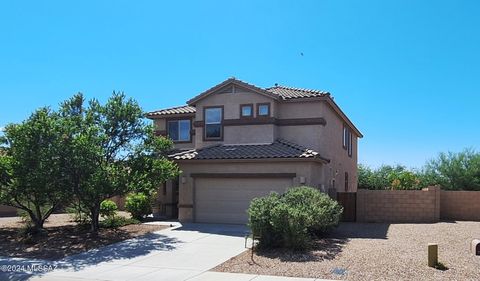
(455, 171)
(32, 173)
(380, 178)
(113, 151)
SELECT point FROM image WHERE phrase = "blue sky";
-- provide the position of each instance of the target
(406, 72)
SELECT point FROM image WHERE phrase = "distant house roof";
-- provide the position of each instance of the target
(184, 109)
(278, 149)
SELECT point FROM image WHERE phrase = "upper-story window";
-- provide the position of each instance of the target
(246, 110)
(179, 130)
(350, 143)
(263, 109)
(345, 137)
(347, 140)
(213, 122)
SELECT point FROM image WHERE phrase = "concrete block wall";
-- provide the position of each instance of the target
(398, 205)
(7, 211)
(460, 205)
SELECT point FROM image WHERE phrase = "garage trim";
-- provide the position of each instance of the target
(243, 175)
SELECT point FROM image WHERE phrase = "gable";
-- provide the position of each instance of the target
(232, 86)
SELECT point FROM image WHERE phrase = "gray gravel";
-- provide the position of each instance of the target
(359, 251)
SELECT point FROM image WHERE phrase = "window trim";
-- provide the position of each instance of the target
(205, 123)
(269, 109)
(241, 111)
(176, 119)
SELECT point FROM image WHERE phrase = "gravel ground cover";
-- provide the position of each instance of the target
(361, 251)
(64, 237)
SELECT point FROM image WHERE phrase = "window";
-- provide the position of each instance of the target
(344, 137)
(346, 181)
(246, 110)
(263, 109)
(213, 122)
(347, 140)
(350, 145)
(179, 130)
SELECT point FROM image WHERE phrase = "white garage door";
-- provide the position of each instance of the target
(220, 200)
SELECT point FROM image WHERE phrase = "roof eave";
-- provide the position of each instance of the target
(161, 116)
(247, 160)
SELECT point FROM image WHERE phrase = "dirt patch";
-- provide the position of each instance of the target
(64, 237)
(358, 251)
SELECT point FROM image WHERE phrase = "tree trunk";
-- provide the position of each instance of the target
(38, 224)
(94, 215)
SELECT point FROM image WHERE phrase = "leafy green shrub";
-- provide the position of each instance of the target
(138, 205)
(117, 221)
(260, 218)
(108, 209)
(290, 219)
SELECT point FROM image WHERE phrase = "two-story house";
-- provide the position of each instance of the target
(237, 141)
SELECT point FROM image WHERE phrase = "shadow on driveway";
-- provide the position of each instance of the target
(124, 250)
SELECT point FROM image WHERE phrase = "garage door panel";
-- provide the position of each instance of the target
(227, 200)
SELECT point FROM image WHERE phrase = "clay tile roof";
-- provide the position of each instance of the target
(278, 149)
(184, 109)
(294, 93)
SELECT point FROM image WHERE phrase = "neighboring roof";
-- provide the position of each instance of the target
(184, 109)
(287, 93)
(278, 149)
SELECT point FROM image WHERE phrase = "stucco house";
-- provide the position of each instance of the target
(236, 141)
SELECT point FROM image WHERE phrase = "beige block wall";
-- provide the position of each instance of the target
(311, 171)
(398, 205)
(460, 205)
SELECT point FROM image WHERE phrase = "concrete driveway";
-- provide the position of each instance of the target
(170, 254)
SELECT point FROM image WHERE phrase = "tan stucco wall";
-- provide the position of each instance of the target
(308, 170)
(236, 134)
(327, 140)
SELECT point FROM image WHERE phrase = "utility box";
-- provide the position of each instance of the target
(476, 247)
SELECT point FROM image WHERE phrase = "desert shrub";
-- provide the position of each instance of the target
(108, 209)
(260, 217)
(138, 205)
(290, 219)
(117, 221)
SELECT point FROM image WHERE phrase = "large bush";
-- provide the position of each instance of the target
(290, 219)
(138, 205)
